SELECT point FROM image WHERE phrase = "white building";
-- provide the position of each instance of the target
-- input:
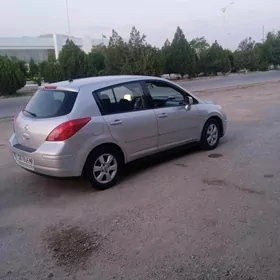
(39, 48)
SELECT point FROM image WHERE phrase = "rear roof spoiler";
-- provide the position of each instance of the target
(53, 87)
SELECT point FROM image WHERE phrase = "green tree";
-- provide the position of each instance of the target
(33, 69)
(156, 60)
(229, 54)
(182, 58)
(213, 59)
(73, 62)
(138, 57)
(50, 71)
(11, 77)
(97, 58)
(166, 58)
(264, 66)
(225, 62)
(237, 61)
(89, 67)
(116, 55)
(43, 68)
(248, 55)
(141, 58)
(193, 63)
(22, 65)
(271, 49)
(179, 53)
(200, 45)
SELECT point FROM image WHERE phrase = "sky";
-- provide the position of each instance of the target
(157, 19)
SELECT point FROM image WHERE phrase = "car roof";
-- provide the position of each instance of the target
(102, 81)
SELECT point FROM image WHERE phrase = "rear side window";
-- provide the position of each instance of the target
(122, 99)
(50, 103)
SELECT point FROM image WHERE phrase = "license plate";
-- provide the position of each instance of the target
(25, 160)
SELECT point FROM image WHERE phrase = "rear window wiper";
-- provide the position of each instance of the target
(30, 113)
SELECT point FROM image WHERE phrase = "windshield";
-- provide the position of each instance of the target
(50, 103)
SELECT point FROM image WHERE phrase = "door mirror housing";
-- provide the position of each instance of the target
(188, 100)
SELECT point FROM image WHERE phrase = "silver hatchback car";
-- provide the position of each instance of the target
(93, 126)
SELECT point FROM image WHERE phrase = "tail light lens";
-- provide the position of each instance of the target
(67, 129)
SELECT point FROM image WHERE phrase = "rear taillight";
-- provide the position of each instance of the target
(67, 129)
(14, 122)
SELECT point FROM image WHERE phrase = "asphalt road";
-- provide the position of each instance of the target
(187, 215)
(229, 81)
(10, 107)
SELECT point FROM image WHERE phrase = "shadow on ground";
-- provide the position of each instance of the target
(31, 188)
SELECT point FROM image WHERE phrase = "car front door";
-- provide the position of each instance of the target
(130, 122)
(177, 123)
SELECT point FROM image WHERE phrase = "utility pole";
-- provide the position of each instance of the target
(68, 21)
(263, 35)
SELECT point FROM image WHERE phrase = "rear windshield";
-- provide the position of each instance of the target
(50, 103)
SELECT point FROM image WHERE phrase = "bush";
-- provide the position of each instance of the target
(263, 66)
(33, 69)
(102, 73)
(11, 76)
(23, 66)
(50, 71)
(73, 62)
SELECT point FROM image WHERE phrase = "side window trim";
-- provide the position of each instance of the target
(114, 94)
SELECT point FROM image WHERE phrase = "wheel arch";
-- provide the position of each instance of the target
(219, 121)
(114, 145)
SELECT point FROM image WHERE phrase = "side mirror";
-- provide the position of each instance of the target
(188, 100)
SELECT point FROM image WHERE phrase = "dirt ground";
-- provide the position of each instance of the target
(184, 215)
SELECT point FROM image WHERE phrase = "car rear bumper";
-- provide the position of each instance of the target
(43, 163)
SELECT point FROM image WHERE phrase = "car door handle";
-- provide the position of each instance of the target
(116, 122)
(163, 115)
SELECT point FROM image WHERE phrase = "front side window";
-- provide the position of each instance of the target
(121, 99)
(164, 95)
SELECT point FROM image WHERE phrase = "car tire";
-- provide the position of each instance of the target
(210, 136)
(103, 160)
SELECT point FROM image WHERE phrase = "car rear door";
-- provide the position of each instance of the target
(132, 124)
(177, 124)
